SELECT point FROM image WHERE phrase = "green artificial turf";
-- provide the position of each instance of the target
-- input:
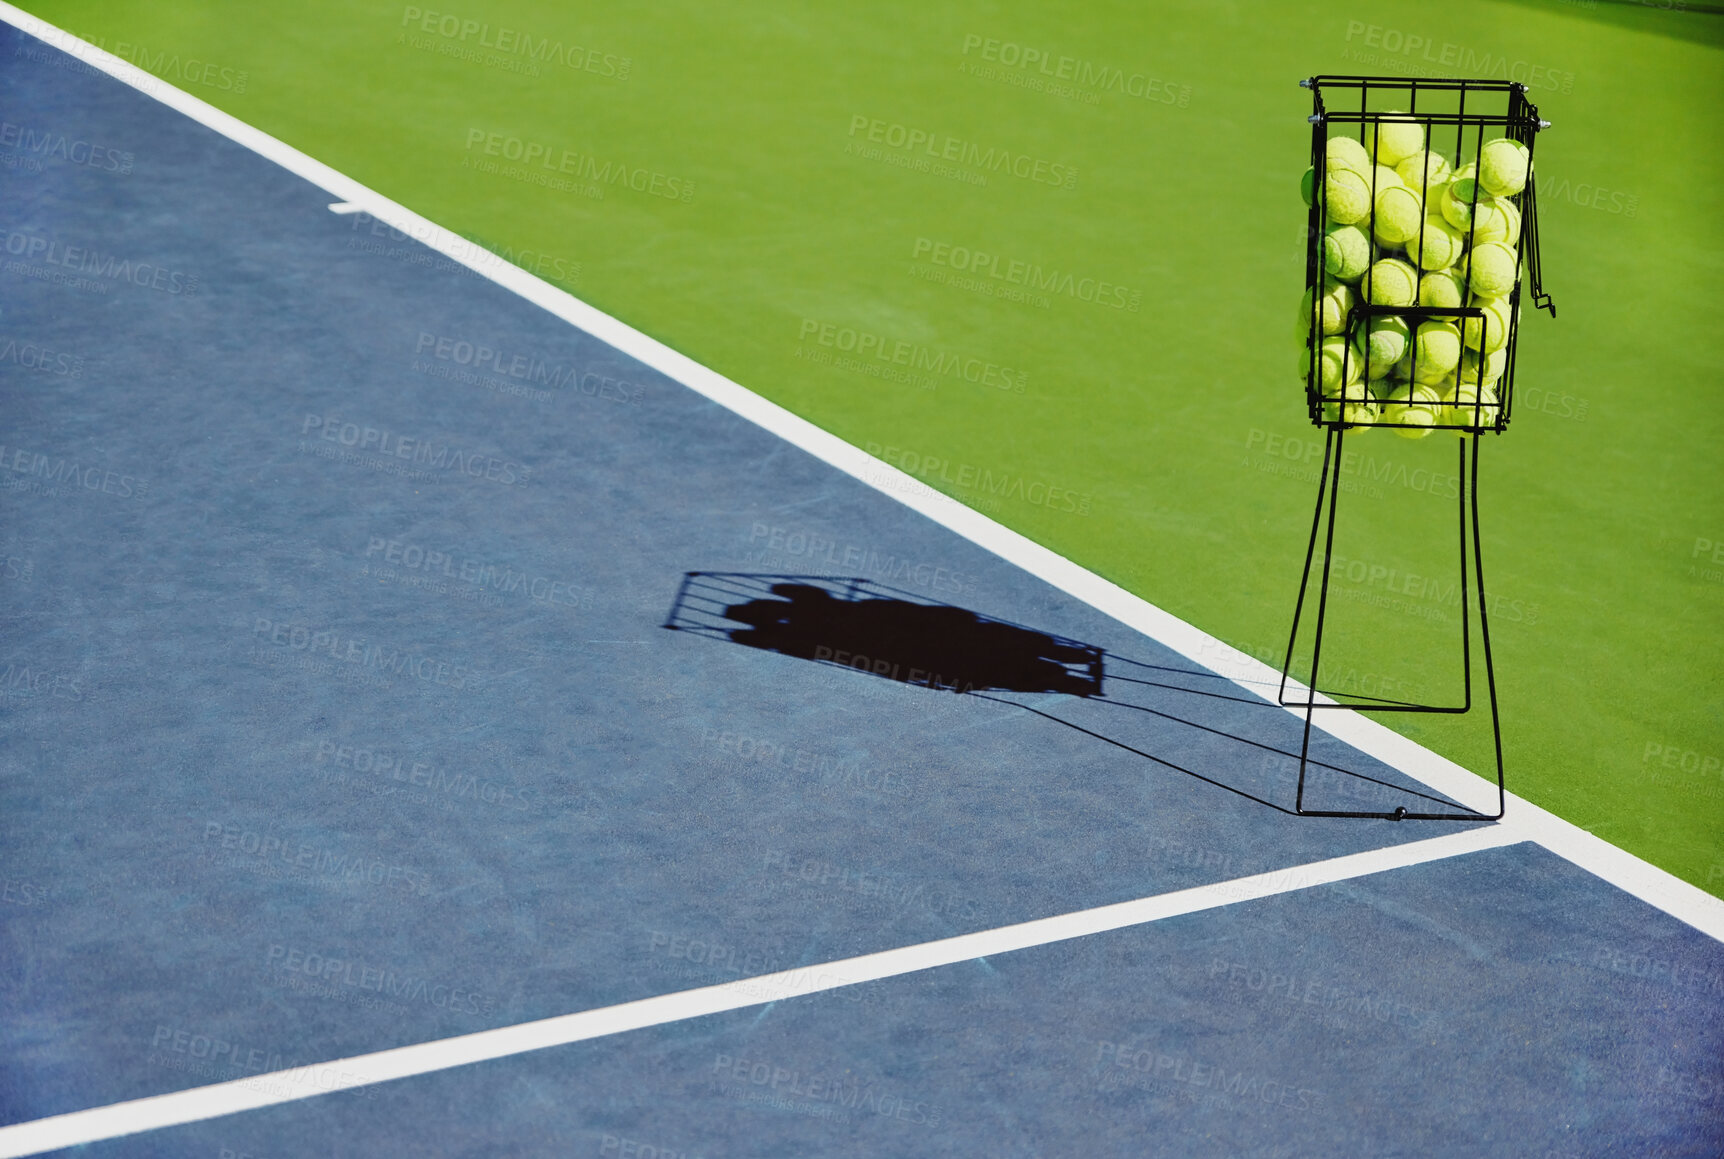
(1164, 421)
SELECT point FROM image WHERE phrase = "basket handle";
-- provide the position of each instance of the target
(1529, 217)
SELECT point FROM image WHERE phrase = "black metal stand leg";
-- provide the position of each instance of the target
(1466, 628)
(1323, 524)
(1334, 488)
(1485, 637)
(1330, 437)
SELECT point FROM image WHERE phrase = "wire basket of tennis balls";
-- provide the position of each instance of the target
(1421, 229)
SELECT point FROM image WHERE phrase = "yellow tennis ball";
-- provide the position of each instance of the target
(1470, 394)
(1490, 333)
(1385, 343)
(1352, 388)
(1390, 389)
(1346, 153)
(1344, 398)
(1340, 400)
(1496, 220)
(1391, 282)
(1308, 183)
(1512, 214)
(1460, 199)
(1357, 412)
(1439, 244)
(1412, 414)
(1501, 222)
(1442, 288)
(1360, 414)
(1398, 217)
(1338, 369)
(1328, 314)
(1346, 252)
(1503, 166)
(1424, 172)
(1470, 406)
(1346, 196)
(1436, 352)
(1493, 268)
(1390, 140)
(1487, 371)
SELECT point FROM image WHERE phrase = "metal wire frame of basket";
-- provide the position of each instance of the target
(1441, 108)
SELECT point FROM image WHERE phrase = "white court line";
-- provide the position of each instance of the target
(1523, 821)
(266, 1090)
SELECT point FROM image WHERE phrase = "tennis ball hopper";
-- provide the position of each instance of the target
(1421, 240)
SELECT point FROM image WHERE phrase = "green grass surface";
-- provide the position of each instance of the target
(1179, 424)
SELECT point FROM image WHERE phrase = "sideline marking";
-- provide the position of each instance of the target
(266, 1090)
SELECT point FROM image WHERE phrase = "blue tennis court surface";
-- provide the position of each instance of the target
(342, 714)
